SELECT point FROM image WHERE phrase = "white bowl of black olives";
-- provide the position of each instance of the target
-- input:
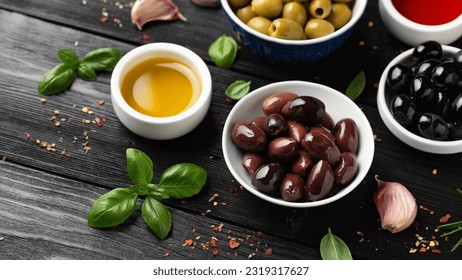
(420, 98)
(298, 144)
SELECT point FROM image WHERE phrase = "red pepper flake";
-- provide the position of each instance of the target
(233, 244)
(213, 242)
(100, 121)
(184, 202)
(259, 234)
(423, 250)
(188, 242)
(194, 230)
(229, 100)
(145, 37)
(213, 197)
(166, 254)
(215, 252)
(27, 134)
(218, 228)
(4, 158)
(250, 239)
(233, 191)
(103, 19)
(426, 209)
(436, 251)
(268, 252)
(65, 153)
(445, 218)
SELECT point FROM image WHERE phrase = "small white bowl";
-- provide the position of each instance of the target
(411, 139)
(337, 105)
(161, 128)
(413, 33)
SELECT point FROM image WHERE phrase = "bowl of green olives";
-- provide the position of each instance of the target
(420, 98)
(298, 144)
(293, 31)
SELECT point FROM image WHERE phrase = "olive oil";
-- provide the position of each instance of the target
(160, 87)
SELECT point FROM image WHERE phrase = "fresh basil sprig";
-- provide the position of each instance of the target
(356, 87)
(223, 51)
(238, 89)
(62, 76)
(452, 228)
(179, 181)
(334, 248)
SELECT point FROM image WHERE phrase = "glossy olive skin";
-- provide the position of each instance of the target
(339, 15)
(320, 147)
(456, 108)
(442, 103)
(303, 164)
(238, 3)
(252, 161)
(426, 50)
(403, 109)
(327, 121)
(248, 137)
(275, 125)
(447, 74)
(316, 28)
(274, 103)
(432, 127)
(320, 8)
(260, 24)
(287, 29)
(422, 91)
(305, 109)
(426, 67)
(399, 78)
(282, 149)
(346, 135)
(292, 187)
(259, 121)
(245, 14)
(458, 59)
(296, 131)
(268, 177)
(296, 12)
(455, 132)
(267, 8)
(320, 181)
(322, 130)
(346, 169)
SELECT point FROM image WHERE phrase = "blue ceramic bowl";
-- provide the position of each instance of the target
(292, 51)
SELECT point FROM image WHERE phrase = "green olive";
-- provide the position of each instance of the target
(245, 14)
(340, 15)
(260, 24)
(343, 1)
(298, 1)
(320, 8)
(238, 3)
(316, 28)
(284, 28)
(295, 11)
(267, 8)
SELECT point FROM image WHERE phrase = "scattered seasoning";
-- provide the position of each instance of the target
(76, 43)
(4, 158)
(103, 19)
(362, 43)
(56, 112)
(215, 252)
(268, 252)
(434, 171)
(426, 209)
(184, 202)
(166, 254)
(2, 237)
(43, 100)
(85, 109)
(213, 242)
(66, 153)
(57, 124)
(259, 234)
(251, 255)
(145, 37)
(445, 218)
(100, 121)
(377, 138)
(27, 134)
(233, 244)
(188, 242)
(212, 198)
(84, 2)
(370, 24)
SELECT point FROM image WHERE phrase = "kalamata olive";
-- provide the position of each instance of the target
(426, 50)
(248, 137)
(327, 121)
(346, 170)
(275, 125)
(403, 109)
(426, 67)
(456, 108)
(433, 127)
(455, 132)
(320, 181)
(259, 121)
(422, 91)
(446, 74)
(346, 135)
(399, 77)
(296, 131)
(442, 102)
(292, 187)
(282, 149)
(319, 147)
(303, 164)
(268, 177)
(324, 131)
(305, 109)
(274, 103)
(252, 161)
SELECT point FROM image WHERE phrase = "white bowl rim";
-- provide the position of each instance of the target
(177, 50)
(360, 6)
(446, 147)
(393, 12)
(365, 165)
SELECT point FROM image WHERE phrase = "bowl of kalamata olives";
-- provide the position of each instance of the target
(420, 98)
(298, 144)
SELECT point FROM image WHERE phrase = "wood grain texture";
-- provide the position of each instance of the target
(27, 55)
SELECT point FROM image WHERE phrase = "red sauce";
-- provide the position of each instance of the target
(429, 12)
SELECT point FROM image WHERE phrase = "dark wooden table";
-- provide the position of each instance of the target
(45, 195)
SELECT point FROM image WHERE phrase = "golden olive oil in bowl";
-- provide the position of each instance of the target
(160, 87)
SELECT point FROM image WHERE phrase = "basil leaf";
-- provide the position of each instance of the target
(356, 87)
(157, 192)
(223, 51)
(140, 189)
(86, 72)
(68, 57)
(238, 89)
(112, 208)
(157, 216)
(139, 167)
(459, 191)
(183, 180)
(56, 80)
(333, 248)
(102, 59)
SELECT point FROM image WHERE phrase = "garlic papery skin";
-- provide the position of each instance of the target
(396, 205)
(144, 11)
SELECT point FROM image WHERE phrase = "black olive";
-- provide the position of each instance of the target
(446, 74)
(305, 109)
(403, 110)
(426, 67)
(268, 177)
(422, 91)
(455, 131)
(426, 50)
(399, 77)
(433, 127)
(456, 108)
(458, 59)
(275, 125)
(442, 102)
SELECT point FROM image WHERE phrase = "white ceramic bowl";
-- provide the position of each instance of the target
(161, 128)
(413, 33)
(337, 105)
(411, 139)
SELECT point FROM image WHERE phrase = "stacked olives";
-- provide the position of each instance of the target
(427, 93)
(296, 150)
(293, 19)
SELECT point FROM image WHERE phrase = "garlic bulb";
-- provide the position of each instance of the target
(144, 11)
(396, 205)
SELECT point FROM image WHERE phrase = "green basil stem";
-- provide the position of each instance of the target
(451, 232)
(457, 245)
(450, 225)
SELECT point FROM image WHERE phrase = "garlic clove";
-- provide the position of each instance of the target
(206, 3)
(396, 205)
(144, 11)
